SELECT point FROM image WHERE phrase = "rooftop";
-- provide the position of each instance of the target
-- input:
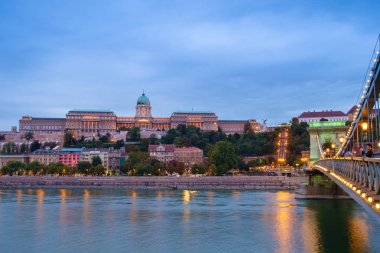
(194, 112)
(322, 114)
(188, 149)
(93, 110)
(167, 147)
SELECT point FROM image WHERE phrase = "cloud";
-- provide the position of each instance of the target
(261, 59)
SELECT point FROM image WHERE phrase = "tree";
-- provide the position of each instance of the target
(12, 167)
(55, 168)
(98, 170)
(9, 148)
(95, 161)
(105, 138)
(35, 145)
(49, 145)
(29, 136)
(68, 139)
(224, 157)
(134, 134)
(198, 169)
(84, 167)
(23, 148)
(298, 140)
(2, 137)
(34, 167)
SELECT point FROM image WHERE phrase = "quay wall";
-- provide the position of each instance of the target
(196, 183)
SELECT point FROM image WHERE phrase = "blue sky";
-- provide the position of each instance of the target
(241, 59)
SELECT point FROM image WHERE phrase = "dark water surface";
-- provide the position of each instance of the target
(98, 220)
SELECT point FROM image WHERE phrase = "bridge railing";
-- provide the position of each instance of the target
(364, 172)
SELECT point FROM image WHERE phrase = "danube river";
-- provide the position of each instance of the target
(100, 220)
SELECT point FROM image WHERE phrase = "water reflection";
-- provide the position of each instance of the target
(204, 221)
(358, 229)
(284, 231)
(19, 196)
(337, 229)
(187, 195)
(40, 208)
(86, 208)
(133, 214)
(309, 231)
(63, 208)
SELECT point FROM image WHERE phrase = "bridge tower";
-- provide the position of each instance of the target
(326, 132)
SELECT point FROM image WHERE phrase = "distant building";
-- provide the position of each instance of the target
(206, 121)
(45, 156)
(91, 123)
(163, 152)
(4, 159)
(110, 157)
(41, 125)
(70, 156)
(316, 116)
(188, 155)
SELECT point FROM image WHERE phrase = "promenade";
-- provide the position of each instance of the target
(196, 183)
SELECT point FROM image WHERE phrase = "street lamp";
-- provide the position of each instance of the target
(364, 126)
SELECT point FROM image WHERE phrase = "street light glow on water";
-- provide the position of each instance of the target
(104, 220)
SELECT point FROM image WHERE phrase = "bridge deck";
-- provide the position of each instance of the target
(365, 197)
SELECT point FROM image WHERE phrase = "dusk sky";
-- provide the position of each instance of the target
(240, 59)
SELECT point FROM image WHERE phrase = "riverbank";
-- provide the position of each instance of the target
(192, 183)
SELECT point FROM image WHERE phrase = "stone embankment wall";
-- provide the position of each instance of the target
(228, 182)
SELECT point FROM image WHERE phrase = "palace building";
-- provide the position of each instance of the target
(89, 123)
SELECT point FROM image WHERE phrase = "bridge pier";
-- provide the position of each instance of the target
(358, 177)
(320, 187)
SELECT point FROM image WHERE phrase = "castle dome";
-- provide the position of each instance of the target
(143, 100)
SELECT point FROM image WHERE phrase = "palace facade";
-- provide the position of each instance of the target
(89, 123)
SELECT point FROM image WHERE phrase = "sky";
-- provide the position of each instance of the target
(259, 59)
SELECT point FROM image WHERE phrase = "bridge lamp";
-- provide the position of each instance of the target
(358, 191)
(370, 199)
(365, 126)
(341, 139)
(354, 188)
(378, 144)
(332, 145)
(377, 206)
(364, 195)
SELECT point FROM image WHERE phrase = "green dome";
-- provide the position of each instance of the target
(143, 100)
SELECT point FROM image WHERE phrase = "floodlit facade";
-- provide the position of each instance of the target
(91, 123)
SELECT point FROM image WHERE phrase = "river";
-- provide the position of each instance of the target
(105, 220)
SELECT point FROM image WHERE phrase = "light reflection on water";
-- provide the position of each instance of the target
(96, 220)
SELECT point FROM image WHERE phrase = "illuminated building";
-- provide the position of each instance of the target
(168, 152)
(188, 155)
(45, 156)
(110, 157)
(207, 121)
(163, 153)
(316, 116)
(70, 156)
(91, 123)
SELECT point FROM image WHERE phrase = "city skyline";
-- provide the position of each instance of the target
(262, 60)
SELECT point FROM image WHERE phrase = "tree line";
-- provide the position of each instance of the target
(36, 168)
